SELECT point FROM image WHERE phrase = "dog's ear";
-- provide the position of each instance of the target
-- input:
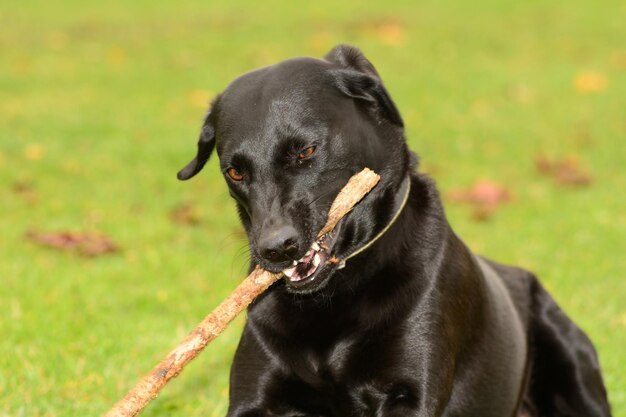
(206, 143)
(357, 78)
(351, 57)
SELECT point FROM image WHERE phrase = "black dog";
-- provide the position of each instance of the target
(413, 323)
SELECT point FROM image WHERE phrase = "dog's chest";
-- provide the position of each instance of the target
(356, 373)
(335, 362)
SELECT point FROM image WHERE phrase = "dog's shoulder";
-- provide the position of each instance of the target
(519, 283)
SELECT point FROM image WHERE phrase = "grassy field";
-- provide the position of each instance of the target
(100, 105)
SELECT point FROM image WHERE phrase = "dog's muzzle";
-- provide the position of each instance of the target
(320, 260)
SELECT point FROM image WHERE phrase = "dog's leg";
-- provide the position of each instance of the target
(260, 386)
(251, 362)
(566, 380)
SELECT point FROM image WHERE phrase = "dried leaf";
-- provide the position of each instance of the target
(485, 196)
(571, 173)
(543, 164)
(26, 190)
(321, 40)
(590, 82)
(185, 213)
(392, 33)
(565, 171)
(483, 212)
(33, 152)
(199, 98)
(116, 56)
(482, 192)
(23, 187)
(389, 31)
(86, 244)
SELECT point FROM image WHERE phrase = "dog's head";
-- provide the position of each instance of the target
(289, 136)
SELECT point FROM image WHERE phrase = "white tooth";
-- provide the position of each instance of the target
(315, 246)
(289, 271)
(295, 263)
(316, 260)
(308, 253)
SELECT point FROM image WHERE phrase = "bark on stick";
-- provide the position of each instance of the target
(254, 284)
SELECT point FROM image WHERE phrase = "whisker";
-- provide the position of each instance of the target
(315, 200)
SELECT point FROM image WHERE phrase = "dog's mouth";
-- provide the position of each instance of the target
(306, 269)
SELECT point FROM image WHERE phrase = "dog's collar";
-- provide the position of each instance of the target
(399, 204)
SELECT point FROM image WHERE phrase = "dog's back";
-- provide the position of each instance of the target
(564, 377)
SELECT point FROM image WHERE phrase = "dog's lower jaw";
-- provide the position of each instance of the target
(308, 265)
(313, 284)
(312, 271)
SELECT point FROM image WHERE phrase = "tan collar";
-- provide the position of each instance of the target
(405, 189)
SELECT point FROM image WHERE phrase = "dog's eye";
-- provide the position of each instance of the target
(234, 174)
(306, 153)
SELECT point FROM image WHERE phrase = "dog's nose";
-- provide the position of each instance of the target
(279, 244)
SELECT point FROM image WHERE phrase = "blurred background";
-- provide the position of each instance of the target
(517, 109)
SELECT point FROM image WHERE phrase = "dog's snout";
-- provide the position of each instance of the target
(279, 244)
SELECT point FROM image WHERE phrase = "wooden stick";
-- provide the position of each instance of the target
(258, 281)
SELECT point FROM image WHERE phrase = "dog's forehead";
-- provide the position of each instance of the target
(290, 96)
(277, 79)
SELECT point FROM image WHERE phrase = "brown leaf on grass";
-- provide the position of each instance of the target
(390, 31)
(26, 190)
(483, 212)
(199, 98)
(321, 41)
(485, 196)
(590, 82)
(33, 152)
(186, 213)
(116, 56)
(543, 164)
(482, 192)
(565, 171)
(84, 243)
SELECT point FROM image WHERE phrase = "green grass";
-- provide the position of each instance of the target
(100, 105)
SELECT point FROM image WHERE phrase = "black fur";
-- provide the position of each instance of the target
(416, 325)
